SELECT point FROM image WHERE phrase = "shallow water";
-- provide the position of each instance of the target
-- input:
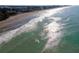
(53, 31)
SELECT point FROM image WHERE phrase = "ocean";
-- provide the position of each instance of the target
(51, 31)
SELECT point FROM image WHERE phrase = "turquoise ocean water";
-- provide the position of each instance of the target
(58, 32)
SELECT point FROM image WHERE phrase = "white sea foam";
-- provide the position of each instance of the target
(52, 28)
